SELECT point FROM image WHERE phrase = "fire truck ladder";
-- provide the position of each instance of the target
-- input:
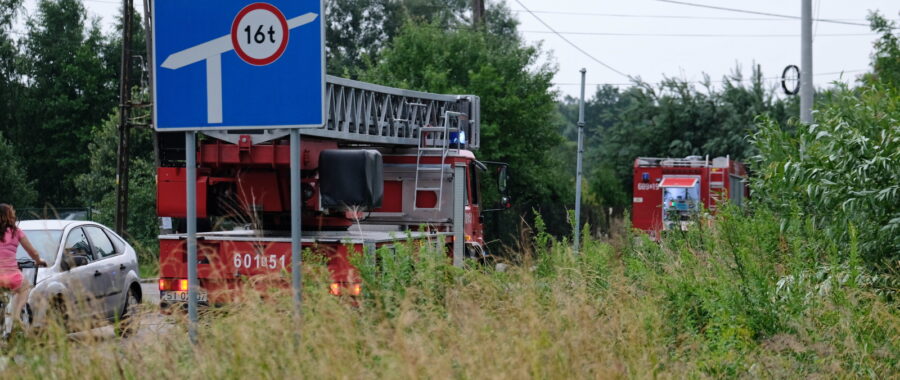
(435, 140)
(374, 115)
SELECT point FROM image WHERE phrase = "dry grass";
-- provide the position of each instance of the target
(650, 311)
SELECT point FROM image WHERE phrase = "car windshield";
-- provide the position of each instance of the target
(46, 242)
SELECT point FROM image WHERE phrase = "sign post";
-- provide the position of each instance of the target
(238, 65)
(190, 149)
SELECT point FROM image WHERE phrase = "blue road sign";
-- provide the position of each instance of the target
(223, 65)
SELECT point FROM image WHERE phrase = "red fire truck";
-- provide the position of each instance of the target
(389, 164)
(671, 193)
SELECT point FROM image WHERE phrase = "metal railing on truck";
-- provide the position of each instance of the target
(368, 113)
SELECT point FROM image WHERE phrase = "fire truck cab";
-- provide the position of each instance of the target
(673, 193)
(390, 164)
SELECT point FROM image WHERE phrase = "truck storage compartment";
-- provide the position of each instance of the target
(351, 179)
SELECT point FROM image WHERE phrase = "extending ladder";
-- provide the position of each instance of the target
(435, 141)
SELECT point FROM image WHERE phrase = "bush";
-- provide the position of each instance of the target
(842, 173)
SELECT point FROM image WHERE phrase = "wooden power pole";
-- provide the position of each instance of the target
(124, 117)
(477, 12)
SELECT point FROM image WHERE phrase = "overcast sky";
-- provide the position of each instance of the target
(677, 40)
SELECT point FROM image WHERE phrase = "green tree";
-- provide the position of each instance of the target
(886, 56)
(15, 188)
(672, 119)
(842, 174)
(10, 87)
(516, 101)
(356, 31)
(97, 186)
(69, 88)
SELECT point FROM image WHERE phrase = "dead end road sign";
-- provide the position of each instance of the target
(226, 65)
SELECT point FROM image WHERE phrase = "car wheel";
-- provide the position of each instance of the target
(127, 324)
(57, 314)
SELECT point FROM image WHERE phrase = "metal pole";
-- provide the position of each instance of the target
(296, 214)
(191, 168)
(459, 208)
(806, 64)
(578, 166)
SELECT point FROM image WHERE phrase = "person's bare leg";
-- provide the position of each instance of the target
(21, 297)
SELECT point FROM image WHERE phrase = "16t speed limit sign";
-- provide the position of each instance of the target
(259, 34)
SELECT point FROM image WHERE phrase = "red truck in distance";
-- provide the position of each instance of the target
(670, 193)
(388, 162)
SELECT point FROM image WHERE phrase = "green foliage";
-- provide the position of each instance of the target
(886, 57)
(356, 32)
(15, 188)
(9, 85)
(840, 173)
(68, 88)
(516, 100)
(97, 186)
(675, 119)
(743, 291)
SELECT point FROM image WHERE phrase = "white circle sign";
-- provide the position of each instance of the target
(259, 34)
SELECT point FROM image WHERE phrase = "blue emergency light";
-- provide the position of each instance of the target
(458, 138)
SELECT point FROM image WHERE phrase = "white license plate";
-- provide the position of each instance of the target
(202, 296)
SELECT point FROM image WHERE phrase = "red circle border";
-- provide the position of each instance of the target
(237, 48)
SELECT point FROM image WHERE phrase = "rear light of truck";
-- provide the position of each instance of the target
(170, 284)
(337, 289)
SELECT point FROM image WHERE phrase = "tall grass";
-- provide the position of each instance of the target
(739, 298)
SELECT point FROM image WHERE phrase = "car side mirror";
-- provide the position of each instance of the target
(502, 177)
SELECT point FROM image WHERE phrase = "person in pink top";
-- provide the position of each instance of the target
(10, 275)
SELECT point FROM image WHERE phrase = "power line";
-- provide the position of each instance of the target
(613, 69)
(631, 15)
(713, 81)
(758, 13)
(698, 34)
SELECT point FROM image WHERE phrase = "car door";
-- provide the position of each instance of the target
(112, 270)
(83, 282)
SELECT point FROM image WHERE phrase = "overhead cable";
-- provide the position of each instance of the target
(832, 21)
(604, 64)
(714, 81)
(761, 35)
(682, 17)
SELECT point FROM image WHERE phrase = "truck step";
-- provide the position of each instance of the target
(428, 189)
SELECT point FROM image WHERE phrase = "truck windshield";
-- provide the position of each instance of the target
(680, 204)
(46, 242)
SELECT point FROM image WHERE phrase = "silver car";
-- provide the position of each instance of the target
(91, 275)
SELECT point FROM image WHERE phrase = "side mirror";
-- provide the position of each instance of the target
(505, 202)
(502, 177)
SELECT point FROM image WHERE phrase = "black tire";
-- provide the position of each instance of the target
(127, 322)
(58, 315)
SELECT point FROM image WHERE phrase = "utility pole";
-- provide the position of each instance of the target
(148, 40)
(578, 166)
(477, 12)
(806, 64)
(124, 115)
